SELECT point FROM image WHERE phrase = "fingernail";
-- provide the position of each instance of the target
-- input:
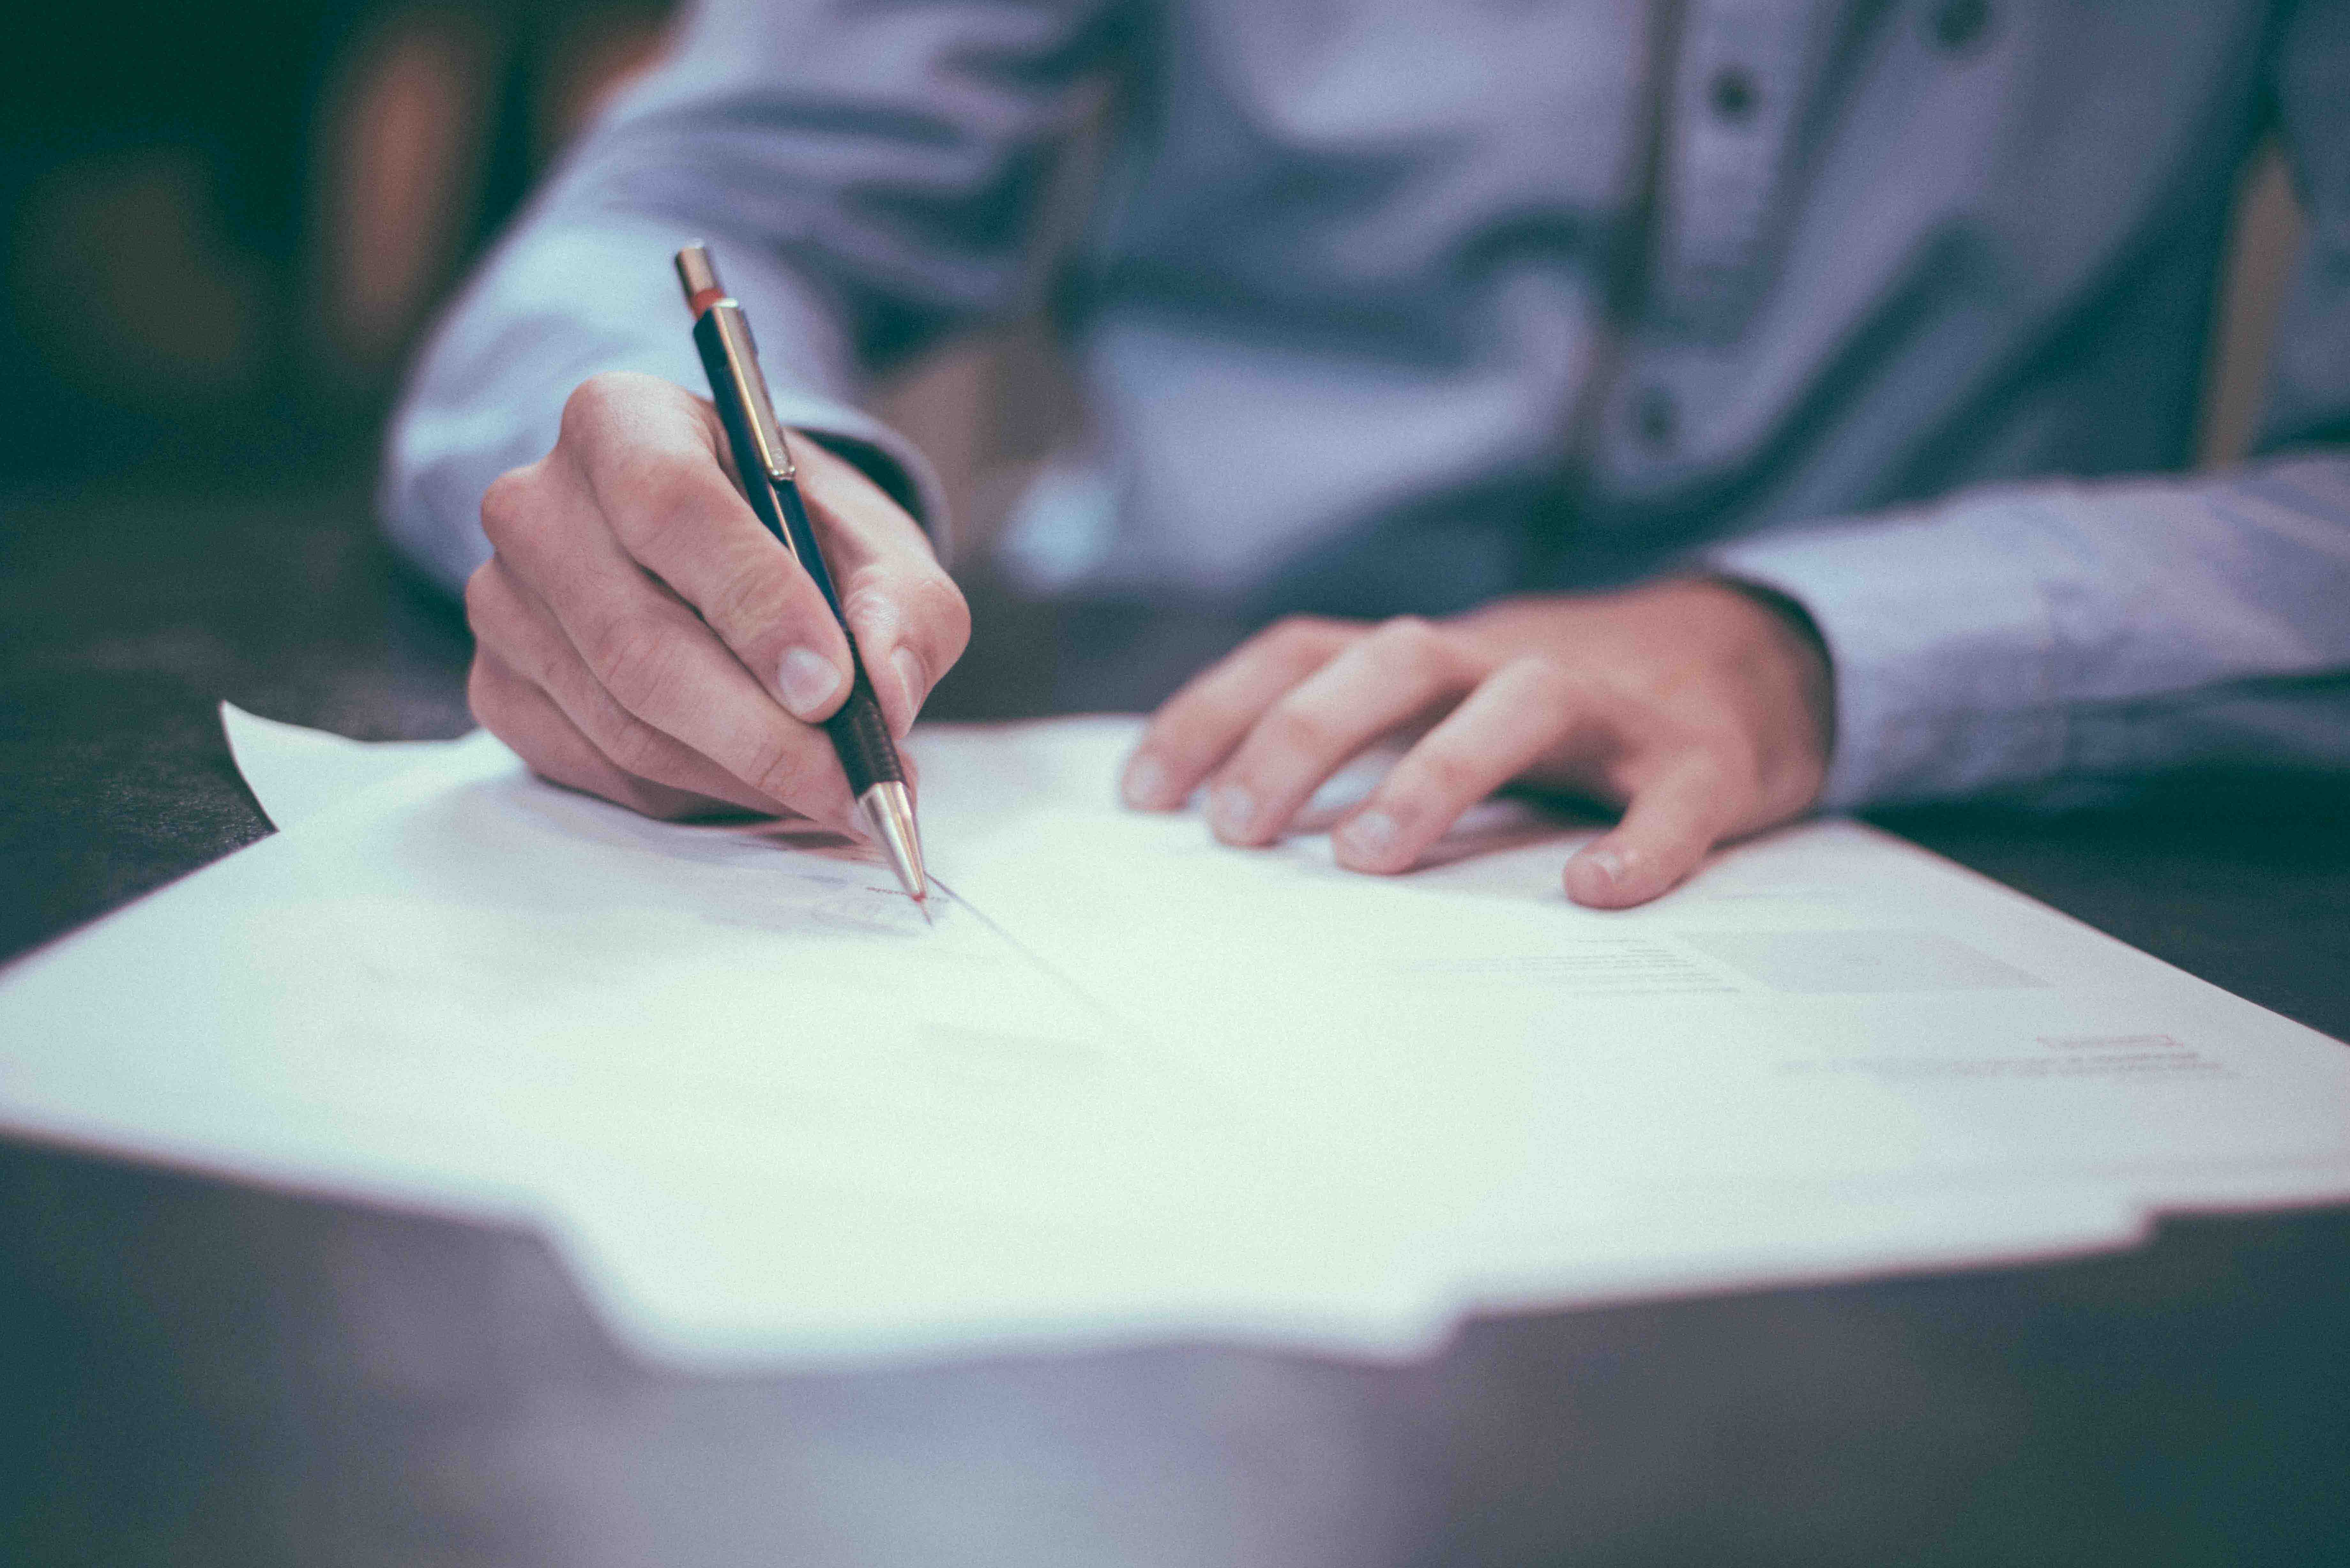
(808, 679)
(1369, 836)
(908, 666)
(1596, 876)
(1145, 782)
(1231, 809)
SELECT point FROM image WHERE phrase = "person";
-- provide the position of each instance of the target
(1727, 409)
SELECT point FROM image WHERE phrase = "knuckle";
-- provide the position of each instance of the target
(1292, 728)
(659, 801)
(751, 598)
(630, 656)
(485, 694)
(1547, 686)
(1297, 634)
(593, 404)
(631, 746)
(872, 606)
(481, 602)
(1169, 738)
(507, 505)
(1409, 632)
(1444, 776)
(938, 608)
(779, 768)
(662, 497)
(1540, 671)
(1200, 728)
(1406, 642)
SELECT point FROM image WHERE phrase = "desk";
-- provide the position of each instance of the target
(193, 1372)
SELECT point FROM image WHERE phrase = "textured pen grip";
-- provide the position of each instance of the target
(862, 738)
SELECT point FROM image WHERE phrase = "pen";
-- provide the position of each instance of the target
(876, 776)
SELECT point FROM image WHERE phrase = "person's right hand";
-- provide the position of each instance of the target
(640, 634)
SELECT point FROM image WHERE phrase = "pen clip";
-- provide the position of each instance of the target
(751, 389)
(707, 297)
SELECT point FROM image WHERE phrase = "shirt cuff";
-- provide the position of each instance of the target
(1941, 642)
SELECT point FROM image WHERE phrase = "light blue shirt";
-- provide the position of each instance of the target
(1899, 307)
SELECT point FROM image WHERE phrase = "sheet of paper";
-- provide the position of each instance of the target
(1826, 1016)
(1826, 1003)
(1135, 1086)
(296, 772)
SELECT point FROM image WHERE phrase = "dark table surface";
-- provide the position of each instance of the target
(196, 1372)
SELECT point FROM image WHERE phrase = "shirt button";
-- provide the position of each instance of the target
(1959, 24)
(1658, 417)
(1731, 93)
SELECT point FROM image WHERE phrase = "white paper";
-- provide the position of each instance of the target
(1826, 1003)
(296, 772)
(1134, 1085)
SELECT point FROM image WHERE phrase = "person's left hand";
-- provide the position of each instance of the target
(1701, 708)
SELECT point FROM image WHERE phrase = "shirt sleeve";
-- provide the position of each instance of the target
(866, 177)
(2055, 632)
(2051, 633)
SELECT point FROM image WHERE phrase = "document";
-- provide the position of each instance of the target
(1134, 1085)
(1825, 1001)
(296, 772)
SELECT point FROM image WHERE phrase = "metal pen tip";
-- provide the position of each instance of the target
(890, 812)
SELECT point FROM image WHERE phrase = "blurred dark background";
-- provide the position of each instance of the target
(228, 228)
(227, 225)
(222, 231)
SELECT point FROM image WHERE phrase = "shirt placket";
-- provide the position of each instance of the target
(1729, 87)
(1736, 98)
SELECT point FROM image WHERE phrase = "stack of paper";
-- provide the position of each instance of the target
(1134, 1085)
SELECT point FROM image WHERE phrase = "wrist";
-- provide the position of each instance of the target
(1797, 656)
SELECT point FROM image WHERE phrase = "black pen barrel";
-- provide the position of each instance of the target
(763, 465)
(858, 733)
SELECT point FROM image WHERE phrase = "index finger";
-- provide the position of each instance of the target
(1195, 729)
